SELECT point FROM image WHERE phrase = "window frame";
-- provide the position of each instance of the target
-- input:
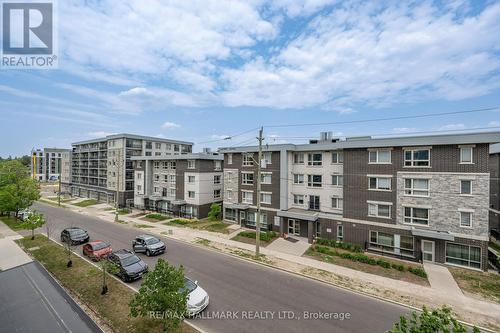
(300, 160)
(191, 164)
(412, 161)
(377, 160)
(311, 182)
(269, 194)
(247, 159)
(270, 174)
(340, 180)
(471, 219)
(298, 203)
(377, 188)
(377, 204)
(244, 180)
(298, 176)
(470, 186)
(243, 197)
(339, 201)
(339, 157)
(412, 218)
(468, 260)
(340, 232)
(462, 149)
(312, 162)
(410, 191)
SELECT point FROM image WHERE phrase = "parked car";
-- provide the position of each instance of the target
(197, 297)
(97, 250)
(148, 244)
(23, 214)
(74, 235)
(130, 266)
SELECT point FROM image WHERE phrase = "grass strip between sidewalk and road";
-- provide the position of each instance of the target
(84, 281)
(12, 222)
(86, 203)
(484, 284)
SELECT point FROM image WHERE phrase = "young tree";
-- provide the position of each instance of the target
(107, 267)
(32, 222)
(437, 320)
(162, 291)
(215, 212)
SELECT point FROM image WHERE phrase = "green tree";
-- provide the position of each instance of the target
(107, 267)
(32, 222)
(215, 212)
(162, 291)
(17, 190)
(437, 320)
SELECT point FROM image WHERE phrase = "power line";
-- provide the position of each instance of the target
(229, 137)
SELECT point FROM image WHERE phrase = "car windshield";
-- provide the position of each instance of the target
(188, 285)
(77, 232)
(100, 246)
(130, 260)
(151, 241)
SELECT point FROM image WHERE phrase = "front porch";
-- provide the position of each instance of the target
(299, 223)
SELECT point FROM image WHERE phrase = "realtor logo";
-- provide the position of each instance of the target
(28, 35)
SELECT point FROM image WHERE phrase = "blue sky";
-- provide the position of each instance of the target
(203, 70)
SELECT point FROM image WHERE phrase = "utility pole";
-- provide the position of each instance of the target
(59, 184)
(118, 165)
(257, 226)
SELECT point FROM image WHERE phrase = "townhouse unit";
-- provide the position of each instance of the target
(495, 190)
(102, 168)
(46, 163)
(424, 197)
(183, 185)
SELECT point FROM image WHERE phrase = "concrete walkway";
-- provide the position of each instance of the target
(11, 254)
(282, 245)
(440, 278)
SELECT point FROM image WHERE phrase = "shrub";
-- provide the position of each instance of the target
(264, 236)
(418, 271)
(339, 244)
(157, 216)
(182, 221)
(399, 267)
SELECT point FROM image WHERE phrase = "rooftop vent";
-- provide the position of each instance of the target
(324, 137)
(207, 150)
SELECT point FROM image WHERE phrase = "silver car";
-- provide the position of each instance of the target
(149, 245)
(197, 297)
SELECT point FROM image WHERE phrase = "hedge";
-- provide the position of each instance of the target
(264, 236)
(339, 244)
(363, 258)
(157, 216)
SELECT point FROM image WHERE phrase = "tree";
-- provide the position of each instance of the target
(17, 190)
(32, 222)
(215, 212)
(437, 320)
(107, 267)
(163, 291)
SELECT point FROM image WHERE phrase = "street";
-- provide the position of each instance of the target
(261, 299)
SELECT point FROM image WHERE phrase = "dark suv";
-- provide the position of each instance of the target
(130, 266)
(148, 244)
(74, 236)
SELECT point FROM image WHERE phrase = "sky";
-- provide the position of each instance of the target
(206, 70)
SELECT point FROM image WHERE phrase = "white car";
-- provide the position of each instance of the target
(23, 214)
(197, 297)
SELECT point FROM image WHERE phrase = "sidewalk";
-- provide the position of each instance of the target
(442, 290)
(12, 255)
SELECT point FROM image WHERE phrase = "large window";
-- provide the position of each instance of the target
(415, 215)
(314, 180)
(315, 159)
(379, 156)
(418, 158)
(379, 183)
(247, 159)
(417, 187)
(314, 202)
(337, 157)
(379, 210)
(466, 155)
(298, 199)
(386, 242)
(466, 187)
(230, 214)
(463, 255)
(247, 178)
(247, 197)
(298, 178)
(337, 180)
(298, 158)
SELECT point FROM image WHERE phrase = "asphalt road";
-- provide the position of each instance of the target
(246, 289)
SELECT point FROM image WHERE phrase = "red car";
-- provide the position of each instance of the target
(97, 250)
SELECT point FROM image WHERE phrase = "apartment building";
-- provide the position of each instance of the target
(46, 163)
(495, 190)
(101, 168)
(181, 185)
(423, 197)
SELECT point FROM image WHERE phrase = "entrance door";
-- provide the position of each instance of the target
(242, 217)
(428, 250)
(293, 227)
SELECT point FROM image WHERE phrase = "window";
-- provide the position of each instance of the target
(156, 189)
(266, 177)
(247, 159)
(466, 219)
(417, 187)
(148, 153)
(298, 158)
(340, 232)
(157, 177)
(172, 192)
(191, 164)
(171, 178)
(337, 180)
(466, 155)
(385, 242)
(314, 202)
(157, 145)
(139, 176)
(337, 157)
(379, 156)
(417, 158)
(463, 255)
(298, 199)
(337, 203)
(217, 194)
(173, 165)
(191, 194)
(298, 178)
(465, 187)
(315, 159)
(314, 180)
(156, 164)
(217, 179)
(230, 214)
(267, 157)
(157, 153)
(379, 210)
(165, 178)
(139, 188)
(229, 158)
(247, 197)
(265, 198)
(416, 215)
(191, 179)
(217, 165)
(165, 165)
(229, 195)
(247, 178)
(379, 183)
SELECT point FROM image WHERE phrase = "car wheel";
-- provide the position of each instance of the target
(148, 253)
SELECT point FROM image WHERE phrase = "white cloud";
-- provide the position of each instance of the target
(219, 136)
(452, 127)
(170, 125)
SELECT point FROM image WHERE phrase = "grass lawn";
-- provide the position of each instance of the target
(83, 280)
(86, 203)
(50, 202)
(143, 226)
(486, 285)
(204, 224)
(249, 237)
(155, 217)
(11, 222)
(124, 211)
(63, 200)
(390, 272)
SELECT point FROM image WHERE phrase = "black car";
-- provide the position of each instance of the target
(74, 235)
(130, 266)
(148, 244)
